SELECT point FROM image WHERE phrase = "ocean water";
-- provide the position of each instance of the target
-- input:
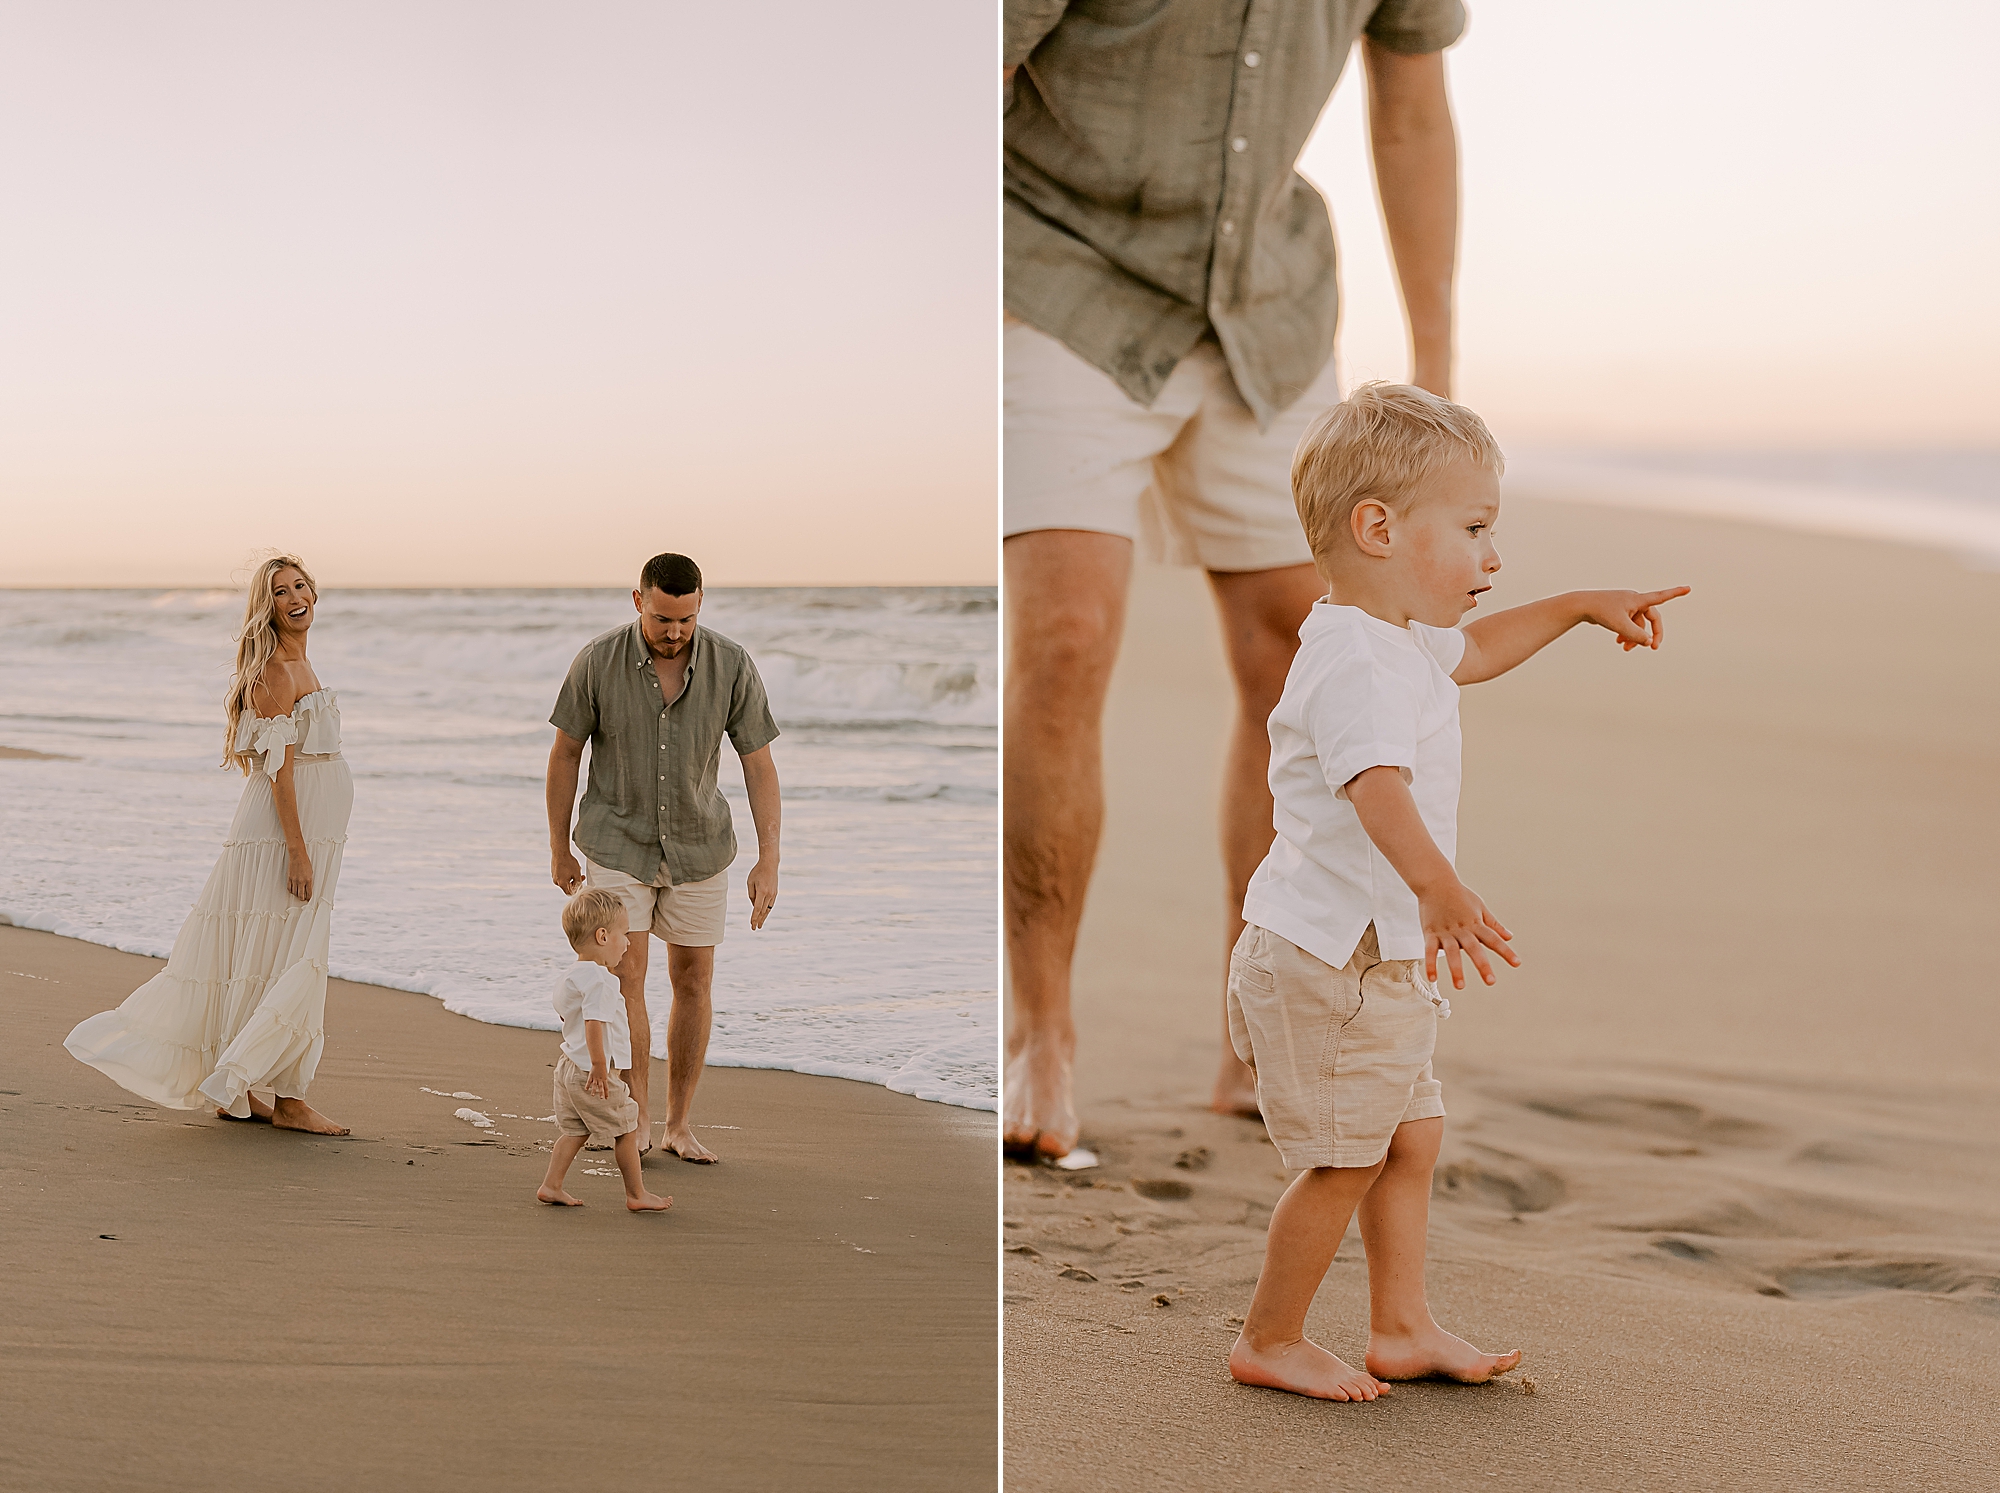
(1946, 499)
(878, 963)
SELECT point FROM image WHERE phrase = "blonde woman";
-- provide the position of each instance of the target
(237, 1012)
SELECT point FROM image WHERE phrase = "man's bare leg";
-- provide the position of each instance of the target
(1066, 591)
(692, 971)
(1273, 1350)
(1261, 613)
(631, 972)
(1404, 1342)
(296, 1114)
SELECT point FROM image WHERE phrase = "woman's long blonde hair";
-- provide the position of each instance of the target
(255, 645)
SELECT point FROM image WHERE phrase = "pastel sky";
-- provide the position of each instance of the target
(494, 292)
(1725, 222)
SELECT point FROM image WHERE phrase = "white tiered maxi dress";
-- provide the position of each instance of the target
(242, 1001)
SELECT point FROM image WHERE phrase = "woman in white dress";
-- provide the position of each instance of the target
(238, 1011)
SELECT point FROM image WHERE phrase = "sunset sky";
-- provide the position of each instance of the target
(496, 293)
(1730, 222)
(486, 292)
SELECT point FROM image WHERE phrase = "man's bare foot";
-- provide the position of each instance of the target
(1040, 1113)
(259, 1112)
(296, 1114)
(647, 1202)
(1235, 1088)
(556, 1195)
(1434, 1352)
(1303, 1368)
(683, 1144)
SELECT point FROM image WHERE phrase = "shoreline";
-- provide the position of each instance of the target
(990, 1106)
(160, 1265)
(1719, 1157)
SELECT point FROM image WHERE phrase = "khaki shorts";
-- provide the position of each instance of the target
(580, 1112)
(1191, 479)
(690, 914)
(1343, 1056)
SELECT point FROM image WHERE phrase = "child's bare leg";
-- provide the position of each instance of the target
(1273, 1349)
(1403, 1340)
(551, 1190)
(637, 1199)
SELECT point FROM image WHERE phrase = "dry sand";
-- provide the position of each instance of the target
(1722, 1155)
(189, 1304)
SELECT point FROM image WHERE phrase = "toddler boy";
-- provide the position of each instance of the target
(1332, 987)
(592, 1101)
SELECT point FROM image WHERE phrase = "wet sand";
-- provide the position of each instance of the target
(1721, 1157)
(191, 1304)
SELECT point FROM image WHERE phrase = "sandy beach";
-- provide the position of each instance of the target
(1721, 1156)
(200, 1305)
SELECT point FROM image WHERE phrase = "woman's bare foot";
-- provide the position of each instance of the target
(1235, 1088)
(647, 1202)
(259, 1112)
(296, 1114)
(1434, 1352)
(555, 1195)
(683, 1144)
(1303, 1368)
(1040, 1112)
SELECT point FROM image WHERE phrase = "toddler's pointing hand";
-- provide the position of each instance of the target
(1633, 615)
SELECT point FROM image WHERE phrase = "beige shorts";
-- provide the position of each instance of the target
(690, 914)
(1191, 479)
(1343, 1056)
(580, 1112)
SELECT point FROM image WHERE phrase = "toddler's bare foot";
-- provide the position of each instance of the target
(296, 1114)
(548, 1194)
(1235, 1089)
(1434, 1352)
(1303, 1368)
(683, 1144)
(647, 1202)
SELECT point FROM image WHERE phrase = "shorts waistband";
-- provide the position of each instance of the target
(309, 758)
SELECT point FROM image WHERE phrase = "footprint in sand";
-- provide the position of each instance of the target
(1656, 1116)
(1835, 1279)
(1498, 1180)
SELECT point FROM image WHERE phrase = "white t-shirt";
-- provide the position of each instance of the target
(589, 992)
(1361, 693)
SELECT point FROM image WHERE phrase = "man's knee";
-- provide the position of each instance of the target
(1072, 636)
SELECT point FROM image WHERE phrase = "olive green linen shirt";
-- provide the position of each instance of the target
(652, 798)
(1150, 195)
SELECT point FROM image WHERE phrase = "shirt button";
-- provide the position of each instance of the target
(1228, 225)
(1251, 59)
(1239, 145)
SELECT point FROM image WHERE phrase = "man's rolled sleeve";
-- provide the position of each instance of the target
(575, 714)
(750, 725)
(1027, 22)
(1415, 27)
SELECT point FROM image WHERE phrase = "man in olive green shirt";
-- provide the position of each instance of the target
(654, 699)
(1171, 305)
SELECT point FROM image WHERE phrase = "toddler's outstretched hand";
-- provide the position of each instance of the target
(1633, 615)
(1456, 921)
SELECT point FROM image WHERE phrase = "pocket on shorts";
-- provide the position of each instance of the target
(1249, 964)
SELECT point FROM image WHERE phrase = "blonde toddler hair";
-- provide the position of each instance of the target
(590, 909)
(1380, 442)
